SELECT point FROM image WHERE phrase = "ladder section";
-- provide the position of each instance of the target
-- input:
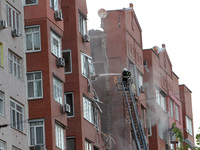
(136, 124)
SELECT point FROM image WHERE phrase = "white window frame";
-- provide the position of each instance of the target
(189, 125)
(172, 108)
(1, 54)
(88, 109)
(58, 90)
(88, 145)
(54, 5)
(35, 133)
(68, 51)
(160, 130)
(15, 24)
(18, 123)
(69, 115)
(34, 85)
(2, 145)
(161, 100)
(15, 67)
(87, 68)
(177, 112)
(59, 135)
(2, 103)
(55, 49)
(140, 79)
(35, 3)
(149, 128)
(82, 24)
(32, 33)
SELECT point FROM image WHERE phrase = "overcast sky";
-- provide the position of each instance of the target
(176, 23)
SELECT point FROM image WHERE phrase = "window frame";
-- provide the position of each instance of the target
(34, 80)
(60, 143)
(149, 127)
(88, 110)
(16, 120)
(12, 57)
(3, 105)
(15, 148)
(88, 145)
(52, 5)
(32, 36)
(35, 134)
(161, 100)
(71, 107)
(189, 125)
(60, 86)
(14, 24)
(82, 23)
(54, 36)
(172, 108)
(1, 55)
(70, 53)
(36, 3)
(70, 138)
(177, 114)
(2, 143)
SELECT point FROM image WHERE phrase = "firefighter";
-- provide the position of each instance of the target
(126, 75)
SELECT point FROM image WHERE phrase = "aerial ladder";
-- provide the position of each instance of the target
(136, 125)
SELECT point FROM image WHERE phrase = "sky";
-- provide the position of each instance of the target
(175, 23)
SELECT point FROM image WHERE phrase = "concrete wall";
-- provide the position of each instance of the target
(12, 87)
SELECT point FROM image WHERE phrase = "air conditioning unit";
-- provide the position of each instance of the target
(61, 62)
(39, 147)
(58, 15)
(3, 24)
(86, 38)
(15, 33)
(66, 108)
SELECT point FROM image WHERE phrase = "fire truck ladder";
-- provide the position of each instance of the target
(136, 124)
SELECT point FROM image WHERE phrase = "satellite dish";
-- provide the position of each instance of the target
(156, 49)
(102, 13)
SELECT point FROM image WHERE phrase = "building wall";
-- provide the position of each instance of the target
(79, 127)
(46, 107)
(12, 87)
(186, 100)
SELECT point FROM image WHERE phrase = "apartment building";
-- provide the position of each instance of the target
(84, 130)
(45, 74)
(119, 46)
(166, 103)
(13, 103)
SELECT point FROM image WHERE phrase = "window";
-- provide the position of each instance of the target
(71, 143)
(160, 99)
(87, 67)
(14, 63)
(140, 79)
(15, 148)
(57, 90)
(177, 112)
(2, 145)
(149, 129)
(59, 137)
(1, 104)
(96, 148)
(69, 99)
(13, 17)
(32, 39)
(31, 2)
(172, 147)
(36, 132)
(88, 145)
(55, 44)
(17, 115)
(1, 54)
(88, 109)
(68, 61)
(54, 4)
(160, 129)
(172, 108)
(189, 125)
(82, 24)
(34, 85)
